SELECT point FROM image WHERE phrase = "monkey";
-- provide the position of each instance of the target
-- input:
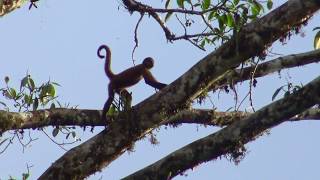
(127, 78)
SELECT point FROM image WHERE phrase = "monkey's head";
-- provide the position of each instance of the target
(148, 62)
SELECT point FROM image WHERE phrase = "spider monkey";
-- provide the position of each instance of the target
(127, 78)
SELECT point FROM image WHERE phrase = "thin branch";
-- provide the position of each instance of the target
(251, 84)
(136, 38)
(60, 145)
(132, 6)
(189, 36)
(185, 32)
(183, 11)
(207, 23)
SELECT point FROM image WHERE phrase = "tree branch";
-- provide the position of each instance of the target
(232, 137)
(142, 8)
(6, 6)
(213, 118)
(84, 117)
(49, 117)
(266, 68)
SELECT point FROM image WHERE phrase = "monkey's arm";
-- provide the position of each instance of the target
(150, 80)
(107, 104)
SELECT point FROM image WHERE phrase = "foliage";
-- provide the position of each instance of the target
(288, 89)
(28, 96)
(220, 17)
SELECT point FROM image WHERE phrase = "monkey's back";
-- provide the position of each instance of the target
(128, 77)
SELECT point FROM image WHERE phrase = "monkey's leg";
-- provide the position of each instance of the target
(107, 104)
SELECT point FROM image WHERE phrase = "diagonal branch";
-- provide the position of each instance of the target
(233, 136)
(266, 68)
(142, 8)
(213, 118)
(7, 6)
(102, 149)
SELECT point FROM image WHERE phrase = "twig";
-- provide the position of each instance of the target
(136, 38)
(10, 142)
(185, 31)
(142, 8)
(60, 145)
(251, 81)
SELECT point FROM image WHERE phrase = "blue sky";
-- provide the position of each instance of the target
(58, 41)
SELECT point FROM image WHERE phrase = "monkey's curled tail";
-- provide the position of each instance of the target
(107, 57)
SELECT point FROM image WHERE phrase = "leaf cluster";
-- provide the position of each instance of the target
(222, 18)
(29, 96)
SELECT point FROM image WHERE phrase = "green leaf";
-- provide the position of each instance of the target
(35, 104)
(269, 4)
(212, 14)
(24, 82)
(25, 176)
(51, 90)
(13, 93)
(276, 93)
(180, 3)
(31, 84)
(254, 11)
(230, 20)
(168, 15)
(220, 21)
(6, 79)
(203, 43)
(316, 43)
(236, 2)
(167, 4)
(27, 99)
(55, 132)
(112, 110)
(205, 4)
(74, 134)
(52, 106)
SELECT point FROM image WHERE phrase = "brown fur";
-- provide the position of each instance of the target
(127, 78)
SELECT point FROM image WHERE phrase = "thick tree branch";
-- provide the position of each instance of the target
(266, 68)
(233, 136)
(85, 117)
(213, 118)
(6, 6)
(102, 149)
(50, 117)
